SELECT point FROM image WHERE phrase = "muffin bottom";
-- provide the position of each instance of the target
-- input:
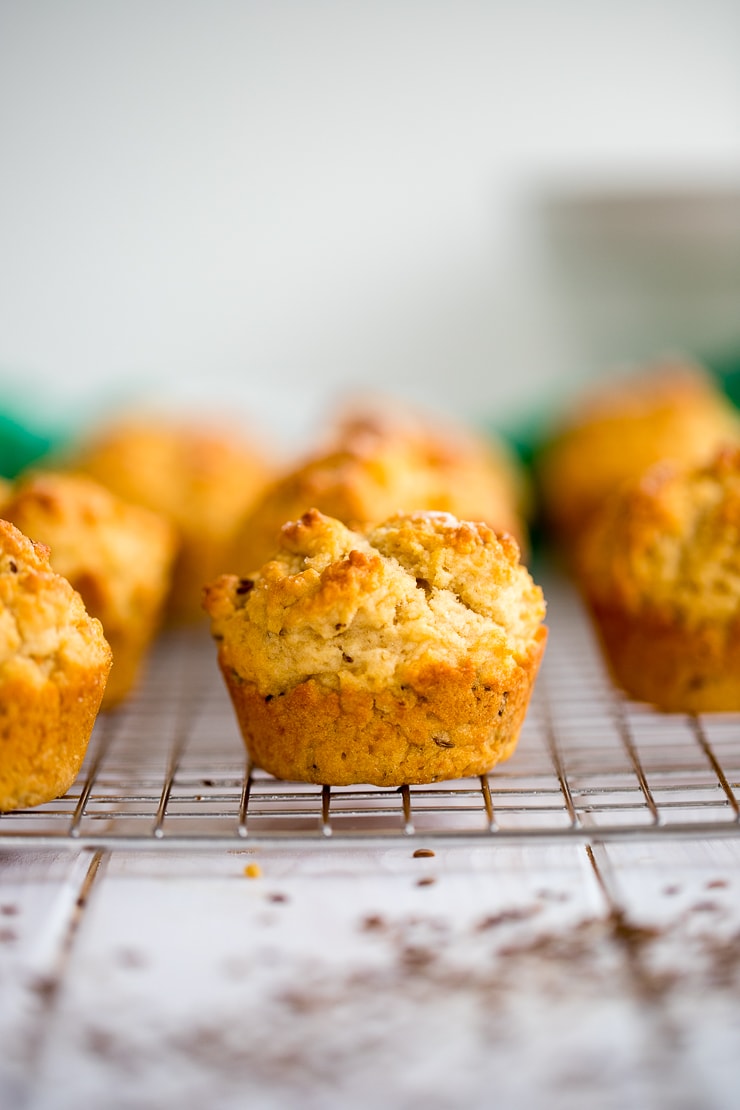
(44, 733)
(449, 724)
(657, 660)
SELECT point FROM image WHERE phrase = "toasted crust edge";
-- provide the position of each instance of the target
(44, 734)
(447, 725)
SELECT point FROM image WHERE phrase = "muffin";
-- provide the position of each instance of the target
(117, 556)
(661, 574)
(668, 411)
(54, 663)
(379, 463)
(479, 475)
(203, 478)
(404, 655)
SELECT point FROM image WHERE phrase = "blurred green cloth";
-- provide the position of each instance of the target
(726, 369)
(20, 445)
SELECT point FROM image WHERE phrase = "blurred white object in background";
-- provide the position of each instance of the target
(646, 270)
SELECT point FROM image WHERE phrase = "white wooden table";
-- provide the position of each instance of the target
(573, 940)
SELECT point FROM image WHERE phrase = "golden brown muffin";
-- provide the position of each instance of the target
(117, 556)
(54, 663)
(661, 573)
(406, 655)
(379, 464)
(202, 478)
(668, 411)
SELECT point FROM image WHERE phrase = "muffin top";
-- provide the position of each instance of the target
(367, 610)
(202, 477)
(111, 551)
(45, 630)
(377, 464)
(670, 543)
(669, 411)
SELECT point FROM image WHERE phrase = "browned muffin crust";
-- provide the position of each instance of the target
(54, 663)
(402, 656)
(660, 570)
(669, 411)
(203, 477)
(117, 556)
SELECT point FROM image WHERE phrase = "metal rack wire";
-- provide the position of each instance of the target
(169, 768)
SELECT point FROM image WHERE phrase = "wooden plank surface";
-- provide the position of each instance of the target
(513, 975)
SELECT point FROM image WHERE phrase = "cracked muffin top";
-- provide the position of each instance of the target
(671, 543)
(45, 629)
(365, 610)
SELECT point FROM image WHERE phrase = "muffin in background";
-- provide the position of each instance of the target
(378, 461)
(54, 663)
(660, 570)
(202, 477)
(475, 469)
(117, 556)
(404, 655)
(670, 410)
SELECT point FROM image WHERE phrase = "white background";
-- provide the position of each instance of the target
(258, 203)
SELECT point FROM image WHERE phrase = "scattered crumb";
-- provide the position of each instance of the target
(553, 895)
(101, 1042)
(373, 922)
(253, 871)
(301, 1002)
(505, 916)
(129, 957)
(428, 880)
(705, 907)
(9, 910)
(276, 896)
(670, 890)
(716, 884)
(424, 975)
(7, 936)
(413, 956)
(423, 853)
(630, 934)
(45, 986)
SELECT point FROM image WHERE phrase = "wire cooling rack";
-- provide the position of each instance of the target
(169, 768)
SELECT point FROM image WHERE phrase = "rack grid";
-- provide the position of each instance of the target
(168, 769)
